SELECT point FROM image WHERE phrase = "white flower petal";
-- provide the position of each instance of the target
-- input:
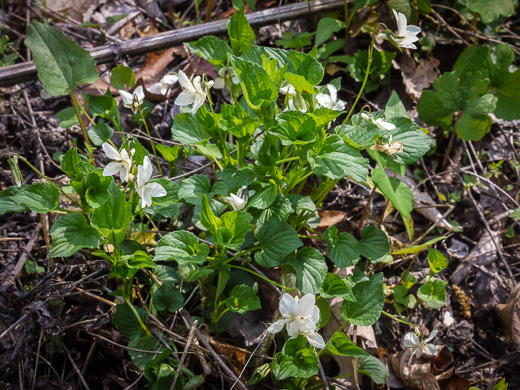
(411, 340)
(155, 88)
(297, 327)
(219, 83)
(384, 125)
(127, 98)
(324, 100)
(316, 340)
(432, 335)
(288, 306)
(111, 152)
(155, 190)
(112, 168)
(306, 305)
(197, 85)
(413, 29)
(185, 82)
(333, 92)
(170, 79)
(277, 326)
(185, 98)
(198, 103)
(401, 22)
(139, 94)
(315, 315)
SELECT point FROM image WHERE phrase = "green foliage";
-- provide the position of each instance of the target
(113, 217)
(491, 11)
(326, 27)
(437, 261)
(335, 286)
(243, 299)
(127, 322)
(296, 361)
(241, 35)
(369, 302)
(276, 240)
(310, 267)
(374, 243)
(100, 133)
(379, 70)
(343, 248)
(340, 344)
(213, 49)
(39, 197)
(433, 293)
(122, 77)
(62, 65)
(276, 158)
(168, 297)
(290, 41)
(374, 368)
(71, 233)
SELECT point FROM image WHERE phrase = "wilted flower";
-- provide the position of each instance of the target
(331, 100)
(226, 77)
(236, 202)
(295, 101)
(164, 84)
(133, 100)
(122, 163)
(300, 317)
(146, 190)
(411, 340)
(405, 36)
(390, 148)
(378, 122)
(16, 173)
(194, 92)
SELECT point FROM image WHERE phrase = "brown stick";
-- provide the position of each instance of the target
(208, 346)
(188, 343)
(14, 74)
(18, 267)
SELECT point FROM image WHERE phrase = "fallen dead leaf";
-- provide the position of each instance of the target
(417, 78)
(153, 68)
(484, 253)
(330, 218)
(509, 312)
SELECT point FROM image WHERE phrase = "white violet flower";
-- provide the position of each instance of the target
(146, 190)
(411, 340)
(133, 100)
(236, 202)
(300, 318)
(386, 126)
(405, 36)
(330, 100)
(295, 101)
(162, 87)
(122, 163)
(194, 92)
(226, 77)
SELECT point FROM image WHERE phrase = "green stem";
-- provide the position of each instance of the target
(398, 319)
(287, 160)
(48, 181)
(137, 316)
(76, 106)
(370, 52)
(220, 316)
(260, 276)
(151, 141)
(304, 177)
